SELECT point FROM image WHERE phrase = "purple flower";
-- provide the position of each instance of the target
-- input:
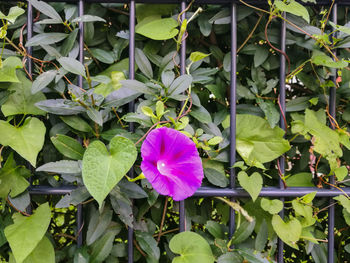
(171, 163)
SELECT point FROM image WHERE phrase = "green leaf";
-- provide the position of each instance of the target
(157, 28)
(103, 169)
(88, 18)
(271, 113)
(262, 236)
(272, 206)
(148, 111)
(344, 201)
(243, 232)
(215, 140)
(68, 146)
(309, 197)
(103, 247)
(102, 55)
(343, 29)
(61, 167)
(98, 224)
(230, 257)
(288, 232)
(197, 56)
(14, 12)
(26, 232)
(321, 59)
(252, 184)
(60, 106)
(113, 84)
(8, 69)
(300, 179)
(159, 108)
(192, 248)
(257, 142)
(260, 55)
(46, 9)
(180, 84)
(46, 39)
(137, 86)
(76, 123)
(72, 65)
(294, 8)
(95, 115)
(305, 211)
(68, 43)
(22, 101)
(326, 140)
(201, 114)
(26, 140)
(42, 253)
(43, 80)
(143, 63)
(215, 229)
(149, 245)
(341, 172)
(215, 173)
(13, 179)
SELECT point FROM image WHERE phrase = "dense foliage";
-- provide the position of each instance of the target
(57, 133)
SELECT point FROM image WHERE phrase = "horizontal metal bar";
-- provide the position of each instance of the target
(49, 190)
(214, 191)
(253, 2)
(271, 192)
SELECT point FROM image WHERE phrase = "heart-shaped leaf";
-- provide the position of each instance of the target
(26, 232)
(272, 206)
(289, 232)
(103, 169)
(252, 184)
(8, 69)
(192, 247)
(26, 140)
(22, 101)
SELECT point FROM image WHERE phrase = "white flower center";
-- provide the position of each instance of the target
(162, 167)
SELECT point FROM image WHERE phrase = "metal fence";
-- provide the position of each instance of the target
(232, 192)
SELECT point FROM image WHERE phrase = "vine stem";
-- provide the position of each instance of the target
(163, 219)
(251, 33)
(22, 212)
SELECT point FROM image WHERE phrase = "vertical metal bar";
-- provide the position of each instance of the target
(29, 209)
(81, 39)
(282, 102)
(29, 36)
(332, 112)
(233, 99)
(182, 214)
(80, 84)
(80, 225)
(131, 108)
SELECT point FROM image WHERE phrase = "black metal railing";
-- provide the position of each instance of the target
(231, 192)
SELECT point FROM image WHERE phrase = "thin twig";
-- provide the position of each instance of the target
(251, 33)
(163, 218)
(22, 212)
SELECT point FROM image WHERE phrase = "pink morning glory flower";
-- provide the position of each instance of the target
(171, 163)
